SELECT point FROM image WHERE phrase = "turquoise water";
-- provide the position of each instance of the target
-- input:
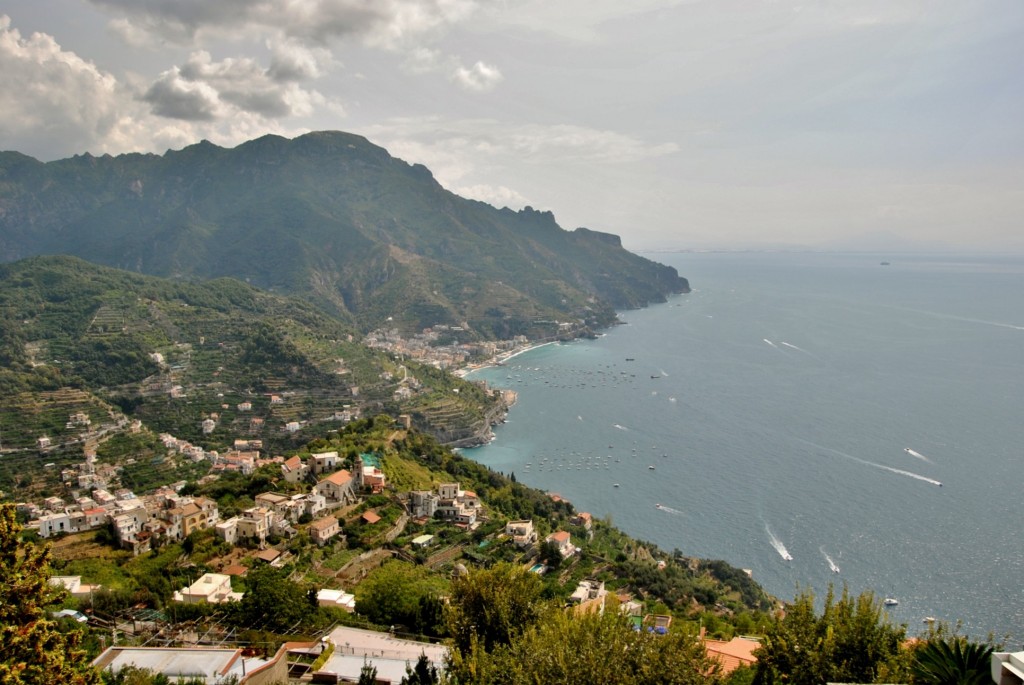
(768, 414)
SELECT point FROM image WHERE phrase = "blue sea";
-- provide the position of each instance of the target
(796, 414)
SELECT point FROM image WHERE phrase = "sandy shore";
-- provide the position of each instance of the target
(500, 359)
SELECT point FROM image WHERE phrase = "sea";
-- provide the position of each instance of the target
(845, 419)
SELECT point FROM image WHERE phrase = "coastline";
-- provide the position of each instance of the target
(500, 358)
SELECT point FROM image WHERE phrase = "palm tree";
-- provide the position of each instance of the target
(953, 661)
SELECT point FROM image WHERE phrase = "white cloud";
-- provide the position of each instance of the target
(303, 34)
(379, 23)
(53, 97)
(291, 61)
(203, 89)
(534, 143)
(479, 77)
(466, 155)
(498, 196)
(177, 97)
(65, 104)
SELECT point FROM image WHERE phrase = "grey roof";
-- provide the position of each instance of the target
(209, 663)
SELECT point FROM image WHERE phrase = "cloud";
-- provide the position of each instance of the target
(379, 23)
(52, 94)
(464, 155)
(176, 97)
(65, 104)
(479, 77)
(301, 34)
(290, 61)
(498, 196)
(534, 143)
(203, 89)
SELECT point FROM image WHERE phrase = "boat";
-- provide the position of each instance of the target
(616, 485)
(891, 601)
(658, 505)
(651, 467)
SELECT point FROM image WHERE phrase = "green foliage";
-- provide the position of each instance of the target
(399, 593)
(491, 607)
(952, 661)
(65, 323)
(602, 648)
(271, 602)
(33, 651)
(851, 641)
(336, 210)
(424, 673)
(328, 650)
(367, 675)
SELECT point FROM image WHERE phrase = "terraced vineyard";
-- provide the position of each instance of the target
(117, 346)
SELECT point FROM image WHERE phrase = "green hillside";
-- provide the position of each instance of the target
(79, 338)
(333, 218)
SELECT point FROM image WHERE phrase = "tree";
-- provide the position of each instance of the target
(32, 650)
(849, 642)
(550, 554)
(400, 594)
(425, 673)
(271, 601)
(952, 661)
(493, 606)
(367, 674)
(602, 648)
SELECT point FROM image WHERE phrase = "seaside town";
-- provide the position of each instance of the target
(332, 521)
(331, 497)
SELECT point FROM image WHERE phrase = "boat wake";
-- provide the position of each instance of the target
(777, 544)
(621, 428)
(900, 472)
(916, 455)
(770, 343)
(668, 510)
(831, 564)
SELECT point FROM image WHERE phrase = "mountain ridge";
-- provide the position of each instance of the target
(318, 216)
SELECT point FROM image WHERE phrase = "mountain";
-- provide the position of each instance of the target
(93, 357)
(333, 218)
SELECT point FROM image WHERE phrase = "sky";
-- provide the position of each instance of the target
(676, 124)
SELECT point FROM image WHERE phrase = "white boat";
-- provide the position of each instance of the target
(891, 601)
(651, 467)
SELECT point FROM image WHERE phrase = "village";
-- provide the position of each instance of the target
(325, 494)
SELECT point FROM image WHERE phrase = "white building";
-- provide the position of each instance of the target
(212, 588)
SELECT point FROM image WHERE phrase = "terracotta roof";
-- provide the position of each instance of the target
(235, 570)
(560, 536)
(325, 522)
(734, 653)
(339, 477)
(294, 463)
(268, 555)
(371, 517)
